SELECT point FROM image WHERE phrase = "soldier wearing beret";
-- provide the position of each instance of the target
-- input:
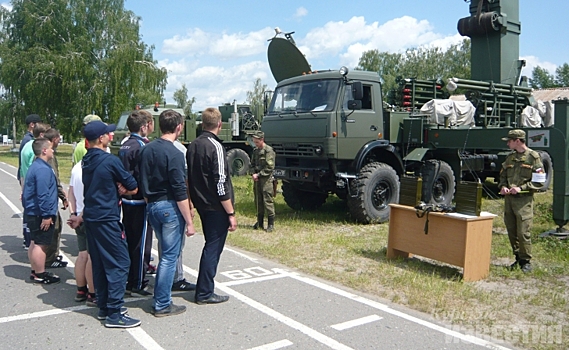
(263, 164)
(522, 174)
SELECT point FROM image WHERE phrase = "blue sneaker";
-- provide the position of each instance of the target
(102, 315)
(122, 321)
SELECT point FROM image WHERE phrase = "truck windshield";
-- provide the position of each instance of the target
(121, 124)
(313, 95)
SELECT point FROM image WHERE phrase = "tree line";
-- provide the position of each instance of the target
(64, 59)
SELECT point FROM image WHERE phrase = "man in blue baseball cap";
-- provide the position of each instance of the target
(104, 180)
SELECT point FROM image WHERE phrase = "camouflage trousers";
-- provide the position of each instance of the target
(518, 217)
(264, 200)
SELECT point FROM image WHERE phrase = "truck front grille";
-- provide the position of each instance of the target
(293, 149)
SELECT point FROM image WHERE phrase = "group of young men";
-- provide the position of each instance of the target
(156, 184)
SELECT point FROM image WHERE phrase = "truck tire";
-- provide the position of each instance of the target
(302, 200)
(376, 186)
(548, 168)
(438, 183)
(238, 161)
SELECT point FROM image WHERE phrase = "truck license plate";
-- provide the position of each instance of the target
(279, 172)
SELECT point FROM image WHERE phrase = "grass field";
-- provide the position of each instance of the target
(328, 244)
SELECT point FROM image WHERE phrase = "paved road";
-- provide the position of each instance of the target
(271, 306)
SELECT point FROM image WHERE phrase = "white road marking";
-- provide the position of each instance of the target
(9, 165)
(14, 208)
(241, 254)
(252, 280)
(355, 323)
(144, 339)
(53, 312)
(12, 175)
(387, 309)
(274, 346)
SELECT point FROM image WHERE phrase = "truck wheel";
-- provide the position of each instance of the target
(302, 200)
(438, 183)
(548, 168)
(238, 161)
(376, 186)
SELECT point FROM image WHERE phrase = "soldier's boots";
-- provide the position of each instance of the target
(260, 223)
(271, 224)
(516, 263)
(525, 266)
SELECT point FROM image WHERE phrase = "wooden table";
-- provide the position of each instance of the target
(460, 240)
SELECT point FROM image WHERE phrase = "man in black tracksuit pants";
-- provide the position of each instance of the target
(211, 191)
(134, 207)
(103, 178)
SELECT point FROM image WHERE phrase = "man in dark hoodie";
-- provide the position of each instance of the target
(104, 180)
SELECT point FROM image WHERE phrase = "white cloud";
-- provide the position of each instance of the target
(532, 62)
(7, 6)
(197, 43)
(301, 12)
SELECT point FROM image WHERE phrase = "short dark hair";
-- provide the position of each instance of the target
(169, 120)
(40, 128)
(51, 134)
(39, 144)
(210, 118)
(136, 120)
(149, 117)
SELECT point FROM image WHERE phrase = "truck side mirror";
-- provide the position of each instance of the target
(358, 90)
(355, 104)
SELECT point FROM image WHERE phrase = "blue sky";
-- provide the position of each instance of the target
(218, 48)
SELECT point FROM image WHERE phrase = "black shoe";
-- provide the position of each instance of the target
(46, 278)
(515, 265)
(526, 266)
(58, 262)
(142, 292)
(183, 286)
(171, 310)
(213, 299)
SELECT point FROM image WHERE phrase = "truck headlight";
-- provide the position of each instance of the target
(318, 150)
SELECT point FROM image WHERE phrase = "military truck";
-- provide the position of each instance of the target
(333, 135)
(238, 124)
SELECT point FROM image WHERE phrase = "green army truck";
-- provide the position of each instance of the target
(238, 124)
(333, 133)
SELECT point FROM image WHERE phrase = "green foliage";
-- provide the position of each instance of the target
(64, 59)
(420, 63)
(181, 98)
(562, 75)
(255, 98)
(541, 78)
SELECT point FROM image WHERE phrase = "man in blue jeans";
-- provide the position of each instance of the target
(211, 192)
(163, 185)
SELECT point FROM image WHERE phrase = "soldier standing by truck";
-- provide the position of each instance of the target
(263, 164)
(521, 175)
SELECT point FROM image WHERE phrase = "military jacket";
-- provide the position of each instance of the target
(263, 161)
(518, 168)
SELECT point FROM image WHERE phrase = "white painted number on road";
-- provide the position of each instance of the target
(247, 273)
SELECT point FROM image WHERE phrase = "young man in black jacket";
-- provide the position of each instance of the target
(211, 192)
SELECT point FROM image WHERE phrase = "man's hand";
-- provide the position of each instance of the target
(45, 224)
(504, 191)
(65, 204)
(515, 190)
(232, 223)
(255, 177)
(121, 189)
(190, 230)
(75, 221)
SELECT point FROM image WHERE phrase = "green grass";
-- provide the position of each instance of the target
(328, 244)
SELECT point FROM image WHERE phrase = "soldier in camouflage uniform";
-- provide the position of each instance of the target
(521, 175)
(263, 164)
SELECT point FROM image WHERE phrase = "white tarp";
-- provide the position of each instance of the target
(457, 112)
(531, 117)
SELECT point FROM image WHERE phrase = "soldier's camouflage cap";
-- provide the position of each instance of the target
(258, 135)
(91, 118)
(515, 134)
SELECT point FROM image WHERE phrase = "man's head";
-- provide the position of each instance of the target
(31, 121)
(170, 122)
(149, 120)
(137, 123)
(53, 136)
(91, 118)
(515, 138)
(97, 134)
(40, 129)
(211, 119)
(259, 139)
(42, 148)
